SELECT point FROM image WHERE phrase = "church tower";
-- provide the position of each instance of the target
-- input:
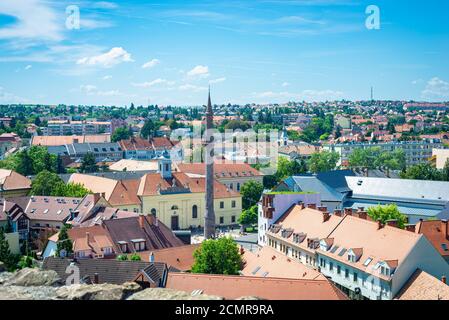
(209, 216)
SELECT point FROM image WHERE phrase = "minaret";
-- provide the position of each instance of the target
(209, 215)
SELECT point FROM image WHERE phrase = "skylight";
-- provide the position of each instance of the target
(255, 270)
(444, 247)
(367, 262)
(334, 249)
(342, 252)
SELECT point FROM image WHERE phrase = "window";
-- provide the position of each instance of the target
(139, 246)
(153, 212)
(195, 212)
(238, 186)
(231, 186)
(233, 219)
(331, 266)
(233, 204)
(136, 210)
(367, 262)
(221, 220)
(346, 273)
(221, 204)
(338, 270)
(385, 270)
(355, 276)
(174, 207)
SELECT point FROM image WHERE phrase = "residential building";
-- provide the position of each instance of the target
(9, 143)
(47, 141)
(103, 152)
(300, 151)
(142, 149)
(85, 127)
(13, 216)
(416, 152)
(13, 184)
(437, 232)
(440, 157)
(179, 257)
(342, 121)
(134, 165)
(91, 242)
(46, 213)
(274, 204)
(364, 258)
(233, 175)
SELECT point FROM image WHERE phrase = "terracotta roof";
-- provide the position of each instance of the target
(93, 238)
(150, 183)
(11, 210)
(179, 257)
(437, 232)
(155, 234)
(161, 143)
(423, 286)
(270, 263)
(221, 170)
(135, 143)
(47, 208)
(233, 287)
(63, 140)
(11, 180)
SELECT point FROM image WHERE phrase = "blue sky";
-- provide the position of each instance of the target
(168, 52)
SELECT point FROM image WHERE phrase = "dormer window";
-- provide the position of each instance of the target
(385, 270)
(351, 257)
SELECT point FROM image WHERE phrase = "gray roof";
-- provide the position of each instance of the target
(417, 191)
(114, 175)
(313, 184)
(82, 148)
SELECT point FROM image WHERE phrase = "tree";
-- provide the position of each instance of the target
(64, 242)
(220, 256)
(25, 165)
(445, 171)
(388, 212)
(422, 171)
(5, 253)
(122, 133)
(74, 190)
(148, 129)
(249, 216)
(251, 192)
(287, 168)
(135, 257)
(88, 163)
(45, 183)
(122, 257)
(323, 161)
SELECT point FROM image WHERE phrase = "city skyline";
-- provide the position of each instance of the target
(249, 52)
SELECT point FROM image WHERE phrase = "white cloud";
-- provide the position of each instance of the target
(150, 64)
(217, 80)
(286, 84)
(109, 59)
(28, 67)
(92, 90)
(104, 5)
(191, 87)
(10, 98)
(108, 77)
(306, 95)
(88, 88)
(86, 23)
(154, 83)
(436, 89)
(35, 20)
(199, 71)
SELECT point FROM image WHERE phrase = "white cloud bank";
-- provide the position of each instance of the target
(109, 59)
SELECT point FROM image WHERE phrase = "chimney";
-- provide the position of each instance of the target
(392, 223)
(151, 257)
(301, 205)
(141, 221)
(363, 215)
(338, 212)
(348, 211)
(326, 216)
(361, 209)
(103, 194)
(311, 206)
(445, 228)
(443, 279)
(410, 227)
(96, 280)
(322, 208)
(380, 225)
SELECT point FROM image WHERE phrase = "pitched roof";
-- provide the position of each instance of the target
(154, 184)
(134, 165)
(11, 180)
(108, 270)
(180, 257)
(423, 286)
(437, 232)
(155, 233)
(270, 263)
(47, 208)
(221, 170)
(313, 184)
(232, 287)
(93, 238)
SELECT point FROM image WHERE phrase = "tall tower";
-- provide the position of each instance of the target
(209, 215)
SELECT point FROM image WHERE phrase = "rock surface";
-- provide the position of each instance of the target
(169, 294)
(97, 292)
(2, 267)
(29, 277)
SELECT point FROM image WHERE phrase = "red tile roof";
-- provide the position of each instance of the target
(179, 257)
(232, 287)
(221, 170)
(437, 232)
